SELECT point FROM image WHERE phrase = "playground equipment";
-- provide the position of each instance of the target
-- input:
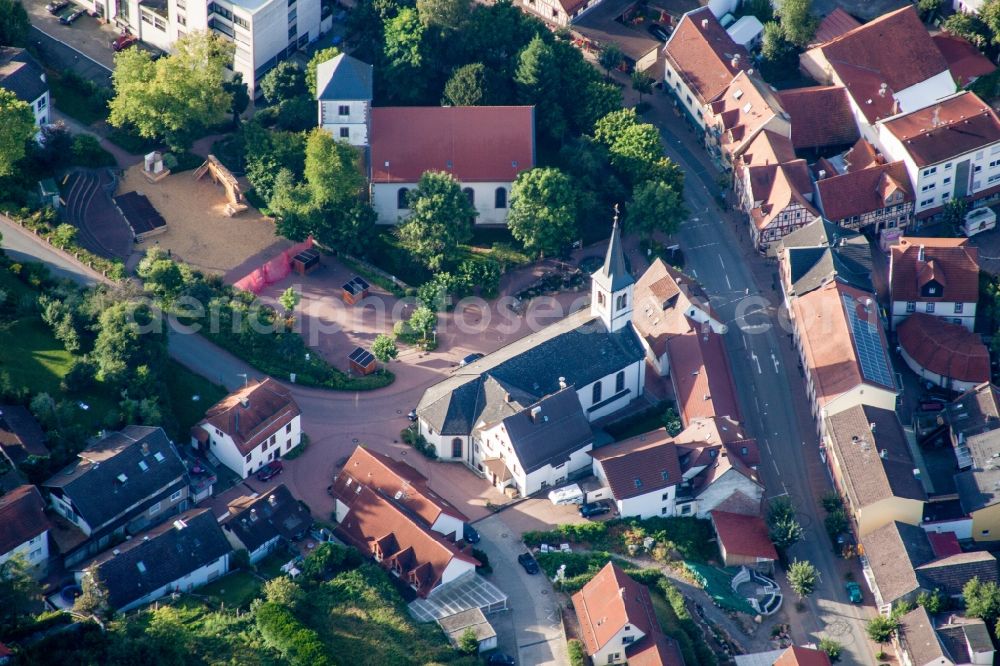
(222, 176)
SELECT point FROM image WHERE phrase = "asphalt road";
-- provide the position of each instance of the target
(771, 391)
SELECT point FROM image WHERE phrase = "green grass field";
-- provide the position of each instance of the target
(236, 590)
(182, 386)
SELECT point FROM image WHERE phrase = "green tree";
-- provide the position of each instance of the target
(802, 577)
(954, 213)
(423, 320)
(935, 602)
(836, 522)
(636, 149)
(289, 299)
(538, 83)
(832, 649)
(175, 97)
(93, 599)
(17, 126)
(773, 45)
(468, 642)
(237, 87)
(286, 81)
(404, 78)
(18, 591)
(320, 56)
(881, 629)
(655, 206)
(160, 274)
(969, 27)
(982, 600)
(543, 210)
(291, 203)
(15, 28)
(129, 338)
(761, 9)
(446, 15)
(929, 8)
(989, 14)
(440, 220)
(780, 508)
(611, 58)
(472, 85)
(284, 592)
(797, 22)
(332, 170)
(384, 348)
(642, 83)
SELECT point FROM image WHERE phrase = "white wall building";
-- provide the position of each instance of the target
(25, 527)
(935, 276)
(22, 75)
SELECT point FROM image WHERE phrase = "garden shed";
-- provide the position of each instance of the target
(456, 625)
(362, 361)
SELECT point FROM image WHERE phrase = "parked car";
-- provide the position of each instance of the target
(124, 41)
(68, 19)
(269, 471)
(56, 6)
(469, 534)
(854, 592)
(528, 563)
(412, 415)
(594, 509)
(500, 659)
(658, 31)
(470, 359)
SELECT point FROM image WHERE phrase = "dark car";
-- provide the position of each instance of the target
(470, 358)
(500, 659)
(528, 563)
(412, 415)
(594, 509)
(658, 31)
(72, 16)
(269, 471)
(56, 6)
(469, 534)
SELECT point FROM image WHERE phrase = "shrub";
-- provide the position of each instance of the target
(703, 653)
(81, 376)
(419, 442)
(86, 151)
(577, 655)
(484, 561)
(468, 643)
(281, 630)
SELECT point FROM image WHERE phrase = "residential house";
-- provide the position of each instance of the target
(398, 541)
(602, 23)
(344, 96)
(872, 468)
(917, 642)
(951, 149)
(942, 353)
(820, 117)
(791, 656)
(618, 623)
(596, 351)
(260, 524)
(560, 13)
(836, 23)
(701, 60)
(744, 541)
(684, 340)
(404, 484)
(251, 427)
(777, 199)
(24, 527)
(20, 435)
(709, 464)
(120, 485)
(899, 562)
(820, 253)
(887, 66)
(966, 62)
(746, 107)
(967, 640)
(936, 276)
(843, 350)
(175, 557)
(973, 421)
(264, 32)
(766, 148)
(21, 74)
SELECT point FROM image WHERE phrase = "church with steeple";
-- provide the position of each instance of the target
(521, 417)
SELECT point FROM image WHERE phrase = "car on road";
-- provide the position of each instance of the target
(56, 6)
(124, 41)
(269, 471)
(68, 19)
(594, 509)
(469, 534)
(658, 31)
(528, 563)
(500, 659)
(854, 592)
(470, 359)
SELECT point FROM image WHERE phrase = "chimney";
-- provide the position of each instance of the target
(536, 411)
(936, 118)
(272, 500)
(883, 454)
(245, 402)
(822, 174)
(916, 473)
(562, 382)
(735, 62)
(871, 426)
(145, 538)
(704, 24)
(145, 448)
(506, 396)
(116, 552)
(920, 253)
(253, 515)
(882, 90)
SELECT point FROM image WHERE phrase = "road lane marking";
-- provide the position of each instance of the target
(773, 358)
(753, 355)
(698, 247)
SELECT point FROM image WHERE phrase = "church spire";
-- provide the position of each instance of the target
(611, 285)
(614, 275)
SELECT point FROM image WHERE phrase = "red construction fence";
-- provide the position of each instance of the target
(274, 270)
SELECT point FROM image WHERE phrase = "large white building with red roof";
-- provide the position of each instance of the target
(483, 147)
(935, 276)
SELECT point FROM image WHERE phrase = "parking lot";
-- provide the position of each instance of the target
(87, 37)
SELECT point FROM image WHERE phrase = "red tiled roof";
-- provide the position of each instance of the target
(768, 148)
(865, 86)
(701, 376)
(957, 264)
(820, 115)
(375, 526)
(864, 190)
(269, 408)
(20, 434)
(473, 143)
(800, 656)
(22, 517)
(946, 129)
(779, 186)
(743, 535)
(744, 107)
(944, 544)
(965, 61)
(861, 156)
(702, 53)
(946, 349)
(639, 465)
(835, 24)
(663, 298)
(659, 650)
(391, 478)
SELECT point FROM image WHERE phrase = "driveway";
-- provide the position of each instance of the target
(534, 606)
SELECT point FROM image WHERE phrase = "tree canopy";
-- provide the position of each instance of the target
(15, 27)
(286, 81)
(655, 206)
(797, 22)
(17, 126)
(473, 85)
(440, 220)
(543, 210)
(802, 577)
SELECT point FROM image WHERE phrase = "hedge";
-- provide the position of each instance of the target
(704, 653)
(296, 642)
(577, 656)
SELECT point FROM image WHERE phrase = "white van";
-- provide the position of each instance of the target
(570, 494)
(979, 220)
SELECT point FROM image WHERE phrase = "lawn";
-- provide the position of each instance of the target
(236, 590)
(183, 386)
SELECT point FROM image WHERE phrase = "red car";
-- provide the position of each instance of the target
(269, 471)
(124, 41)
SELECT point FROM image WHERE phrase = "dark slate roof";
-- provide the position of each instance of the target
(549, 431)
(161, 556)
(578, 348)
(20, 434)
(979, 485)
(614, 274)
(820, 252)
(21, 74)
(275, 513)
(952, 572)
(344, 78)
(92, 483)
(962, 633)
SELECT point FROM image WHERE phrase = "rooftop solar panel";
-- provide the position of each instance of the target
(362, 357)
(868, 343)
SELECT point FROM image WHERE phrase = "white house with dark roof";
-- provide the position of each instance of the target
(262, 523)
(249, 428)
(596, 352)
(21, 74)
(25, 527)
